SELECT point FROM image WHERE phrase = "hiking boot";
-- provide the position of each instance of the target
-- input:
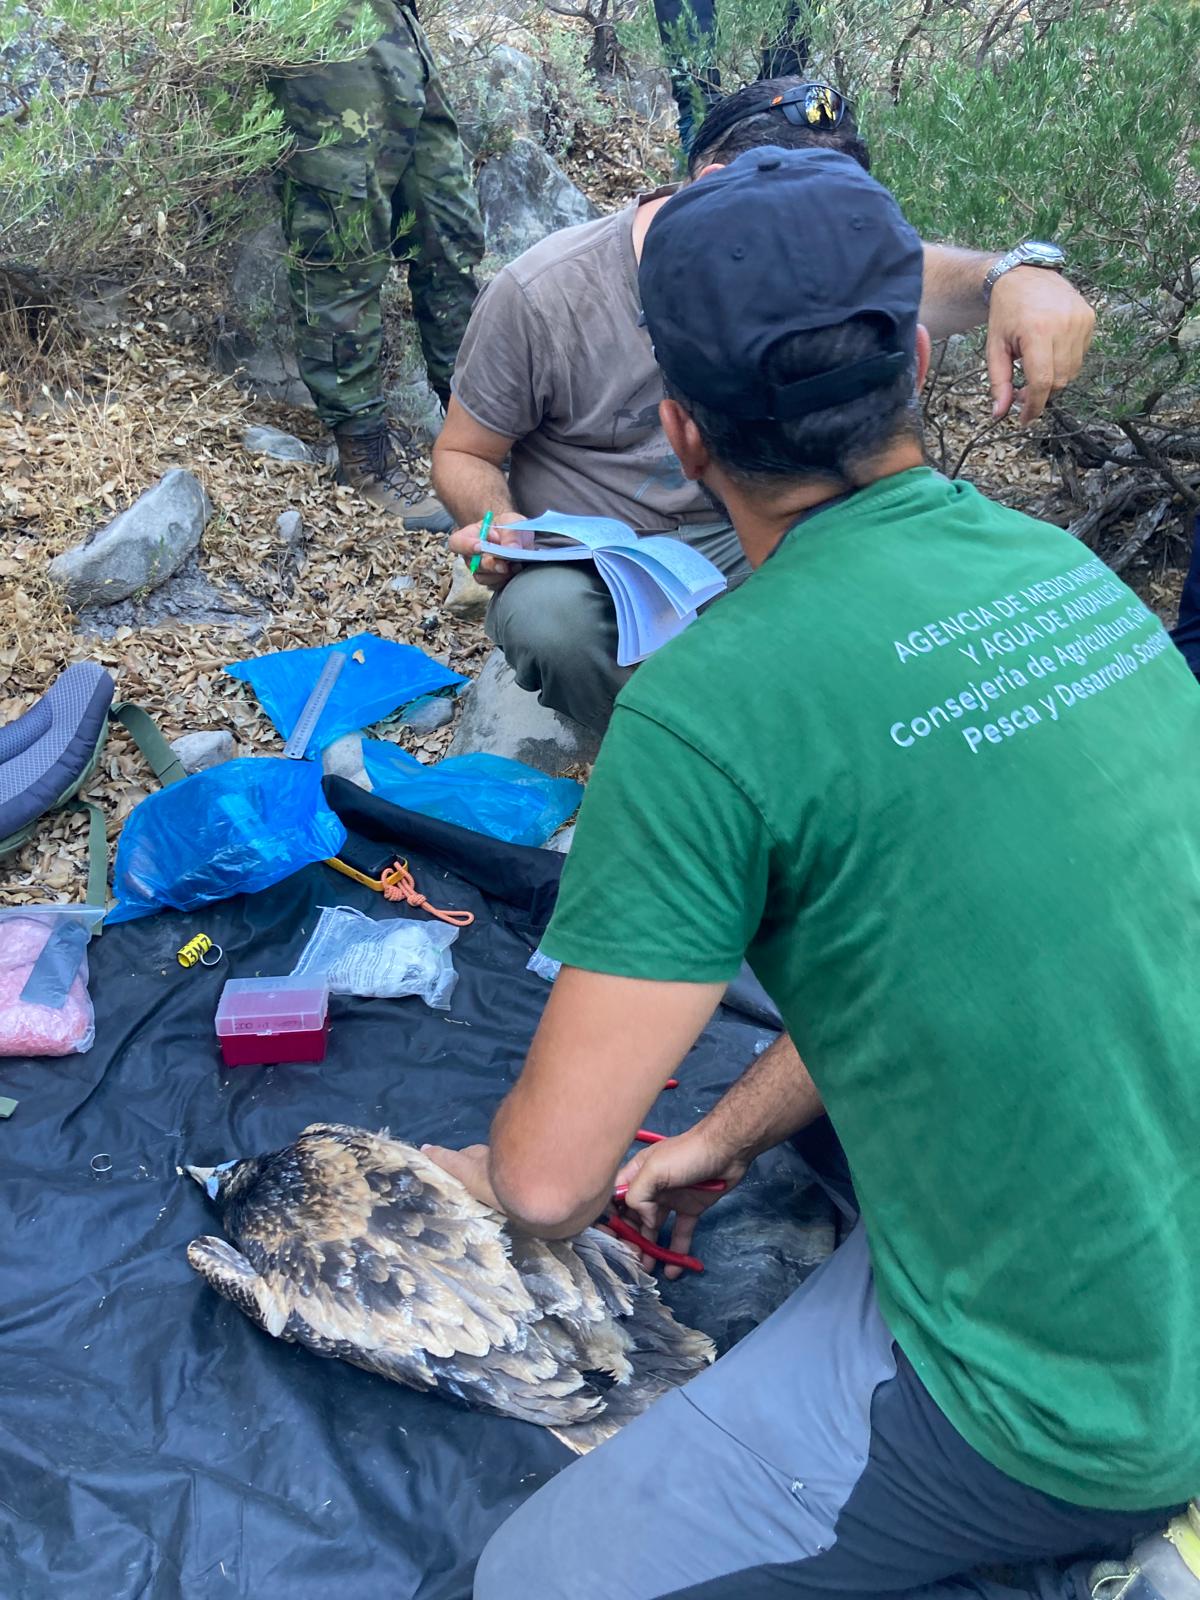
(370, 463)
(1166, 1566)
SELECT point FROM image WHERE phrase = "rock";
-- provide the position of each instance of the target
(278, 445)
(647, 94)
(106, 305)
(430, 712)
(343, 759)
(961, 353)
(256, 340)
(200, 750)
(506, 100)
(289, 525)
(30, 56)
(466, 598)
(189, 597)
(506, 720)
(410, 400)
(524, 195)
(141, 548)
(182, 323)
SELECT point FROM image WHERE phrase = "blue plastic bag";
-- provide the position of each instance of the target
(233, 829)
(488, 794)
(389, 676)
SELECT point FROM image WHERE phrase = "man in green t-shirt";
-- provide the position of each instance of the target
(936, 772)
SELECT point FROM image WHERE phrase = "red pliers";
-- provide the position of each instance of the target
(625, 1230)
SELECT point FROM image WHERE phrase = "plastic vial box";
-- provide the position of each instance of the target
(263, 1020)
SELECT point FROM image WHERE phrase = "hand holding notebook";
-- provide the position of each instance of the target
(657, 583)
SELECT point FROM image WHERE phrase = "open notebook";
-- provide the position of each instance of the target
(657, 583)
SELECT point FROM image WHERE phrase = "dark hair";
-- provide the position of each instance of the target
(745, 121)
(835, 443)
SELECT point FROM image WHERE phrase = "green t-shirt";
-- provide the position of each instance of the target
(936, 771)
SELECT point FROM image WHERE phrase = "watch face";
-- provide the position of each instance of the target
(1039, 253)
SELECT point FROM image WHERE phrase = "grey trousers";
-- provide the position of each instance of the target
(809, 1461)
(558, 630)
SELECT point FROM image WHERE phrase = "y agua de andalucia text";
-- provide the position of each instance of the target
(1035, 656)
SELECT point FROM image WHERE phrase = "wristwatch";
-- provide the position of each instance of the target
(1033, 253)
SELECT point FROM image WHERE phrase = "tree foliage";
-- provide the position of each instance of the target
(115, 117)
(1084, 132)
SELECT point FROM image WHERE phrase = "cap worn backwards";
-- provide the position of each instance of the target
(779, 242)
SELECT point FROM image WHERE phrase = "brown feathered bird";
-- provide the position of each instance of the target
(358, 1246)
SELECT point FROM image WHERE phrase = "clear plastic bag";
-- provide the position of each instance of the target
(233, 829)
(45, 1008)
(489, 794)
(545, 966)
(383, 960)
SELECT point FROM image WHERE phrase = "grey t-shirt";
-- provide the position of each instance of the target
(554, 358)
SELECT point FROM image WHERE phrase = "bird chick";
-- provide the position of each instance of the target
(356, 1245)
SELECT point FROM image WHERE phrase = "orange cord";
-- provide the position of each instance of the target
(398, 884)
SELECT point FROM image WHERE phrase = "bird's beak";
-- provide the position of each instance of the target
(209, 1178)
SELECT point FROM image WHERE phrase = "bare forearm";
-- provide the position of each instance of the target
(774, 1098)
(468, 486)
(603, 1050)
(530, 1194)
(952, 301)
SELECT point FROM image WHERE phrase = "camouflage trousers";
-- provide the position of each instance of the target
(377, 174)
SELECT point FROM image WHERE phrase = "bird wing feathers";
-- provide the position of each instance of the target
(357, 1245)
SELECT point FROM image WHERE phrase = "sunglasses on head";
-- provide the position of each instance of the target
(812, 105)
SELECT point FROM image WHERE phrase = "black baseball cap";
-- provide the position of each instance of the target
(777, 243)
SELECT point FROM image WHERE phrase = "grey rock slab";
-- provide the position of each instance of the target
(138, 550)
(280, 446)
(343, 759)
(525, 195)
(466, 597)
(189, 597)
(209, 748)
(106, 305)
(289, 525)
(256, 340)
(503, 98)
(430, 712)
(502, 718)
(647, 93)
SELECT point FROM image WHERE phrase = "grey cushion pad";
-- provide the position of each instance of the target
(44, 752)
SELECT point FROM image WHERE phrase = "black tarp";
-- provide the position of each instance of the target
(153, 1444)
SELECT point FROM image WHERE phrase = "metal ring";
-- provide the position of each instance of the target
(102, 1163)
(215, 951)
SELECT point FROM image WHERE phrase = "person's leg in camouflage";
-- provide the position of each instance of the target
(357, 125)
(446, 243)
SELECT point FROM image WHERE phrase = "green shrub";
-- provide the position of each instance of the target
(117, 117)
(1084, 131)
(572, 91)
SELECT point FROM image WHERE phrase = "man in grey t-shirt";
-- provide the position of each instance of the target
(556, 377)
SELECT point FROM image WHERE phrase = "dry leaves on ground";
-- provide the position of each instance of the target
(139, 404)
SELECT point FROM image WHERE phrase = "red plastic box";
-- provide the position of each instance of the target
(264, 1020)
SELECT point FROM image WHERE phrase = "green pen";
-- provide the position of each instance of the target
(484, 530)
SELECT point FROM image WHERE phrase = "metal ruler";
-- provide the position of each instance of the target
(298, 739)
